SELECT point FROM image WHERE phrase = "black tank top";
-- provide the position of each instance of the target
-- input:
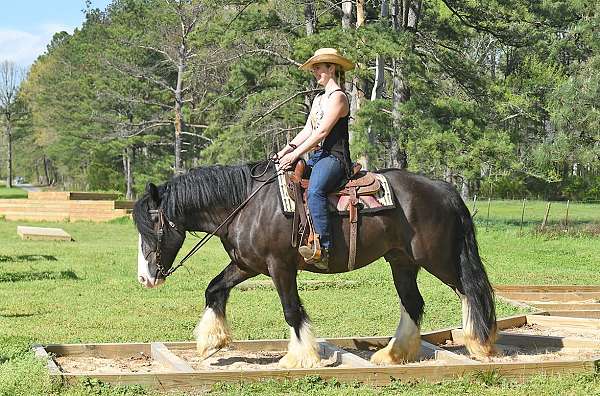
(337, 142)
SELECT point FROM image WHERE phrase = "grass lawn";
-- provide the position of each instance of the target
(86, 291)
(11, 193)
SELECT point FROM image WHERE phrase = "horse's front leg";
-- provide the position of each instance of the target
(303, 351)
(212, 331)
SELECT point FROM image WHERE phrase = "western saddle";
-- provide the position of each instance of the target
(360, 184)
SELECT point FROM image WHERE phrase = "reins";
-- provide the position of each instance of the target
(207, 237)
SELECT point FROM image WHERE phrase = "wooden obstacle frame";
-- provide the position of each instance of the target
(575, 301)
(177, 373)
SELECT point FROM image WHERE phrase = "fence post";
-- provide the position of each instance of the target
(474, 210)
(522, 216)
(567, 216)
(546, 216)
(487, 221)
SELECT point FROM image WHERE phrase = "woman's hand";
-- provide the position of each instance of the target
(287, 160)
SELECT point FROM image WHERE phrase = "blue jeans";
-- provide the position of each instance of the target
(327, 175)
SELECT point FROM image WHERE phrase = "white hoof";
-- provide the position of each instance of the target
(212, 333)
(399, 351)
(302, 352)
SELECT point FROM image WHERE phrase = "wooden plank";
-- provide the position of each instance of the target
(546, 288)
(70, 195)
(444, 354)
(511, 321)
(534, 340)
(43, 234)
(559, 322)
(108, 350)
(591, 296)
(40, 352)
(567, 306)
(48, 195)
(577, 314)
(328, 349)
(275, 345)
(163, 355)
(380, 375)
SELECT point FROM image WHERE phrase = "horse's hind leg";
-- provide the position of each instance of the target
(212, 331)
(406, 343)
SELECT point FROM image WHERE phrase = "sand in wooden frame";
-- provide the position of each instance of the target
(175, 365)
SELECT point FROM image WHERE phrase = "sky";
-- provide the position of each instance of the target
(27, 26)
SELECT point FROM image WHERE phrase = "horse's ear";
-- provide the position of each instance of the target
(153, 191)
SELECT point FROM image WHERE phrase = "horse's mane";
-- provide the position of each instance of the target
(216, 186)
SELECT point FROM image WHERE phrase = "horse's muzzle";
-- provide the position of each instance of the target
(151, 282)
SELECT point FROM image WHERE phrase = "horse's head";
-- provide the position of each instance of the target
(160, 238)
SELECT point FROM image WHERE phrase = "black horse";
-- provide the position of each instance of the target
(430, 228)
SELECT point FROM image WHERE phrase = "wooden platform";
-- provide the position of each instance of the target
(43, 234)
(70, 196)
(174, 365)
(556, 300)
(65, 206)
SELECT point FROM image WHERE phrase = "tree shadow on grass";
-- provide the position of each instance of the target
(41, 275)
(27, 257)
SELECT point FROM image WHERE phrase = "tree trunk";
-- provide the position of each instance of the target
(379, 84)
(179, 109)
(346, 14)
(9, 169)
(310, 17)
(405, 16)
(310, 21)
(127, 161)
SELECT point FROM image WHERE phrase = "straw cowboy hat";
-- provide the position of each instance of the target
(328, 55)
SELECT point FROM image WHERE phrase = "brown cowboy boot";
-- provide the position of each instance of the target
(314, 255)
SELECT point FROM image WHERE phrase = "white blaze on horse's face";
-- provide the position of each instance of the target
(144, 276)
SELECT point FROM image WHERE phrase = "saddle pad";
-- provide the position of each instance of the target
(384, 199)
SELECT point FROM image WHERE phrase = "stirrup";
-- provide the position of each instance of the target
(314, 255)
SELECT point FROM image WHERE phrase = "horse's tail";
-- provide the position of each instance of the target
(477, 295)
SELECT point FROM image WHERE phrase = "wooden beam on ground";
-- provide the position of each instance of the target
(377, 376)
(41, 353)
(342, 356)
(108, 350)
(546, 288)
(564, 322)
(511, 321)
(444, 354)
(43, 234)
(572, 296)
(567, 306)
(164, 356)
(577, 314)
(534, 340)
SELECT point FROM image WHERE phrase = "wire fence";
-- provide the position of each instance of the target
(527, 213)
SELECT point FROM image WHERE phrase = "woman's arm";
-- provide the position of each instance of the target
(297, 140)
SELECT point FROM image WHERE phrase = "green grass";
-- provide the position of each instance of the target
(86, 291)
(12, 193)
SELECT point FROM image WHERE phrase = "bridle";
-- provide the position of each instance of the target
(162, 220)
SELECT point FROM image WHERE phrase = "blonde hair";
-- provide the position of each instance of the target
(339, 75)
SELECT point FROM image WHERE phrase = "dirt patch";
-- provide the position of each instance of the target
(232, 359)
(535, 329)
(139, 363)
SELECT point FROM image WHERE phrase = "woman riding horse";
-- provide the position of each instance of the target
(326, 134)
(429, 227)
